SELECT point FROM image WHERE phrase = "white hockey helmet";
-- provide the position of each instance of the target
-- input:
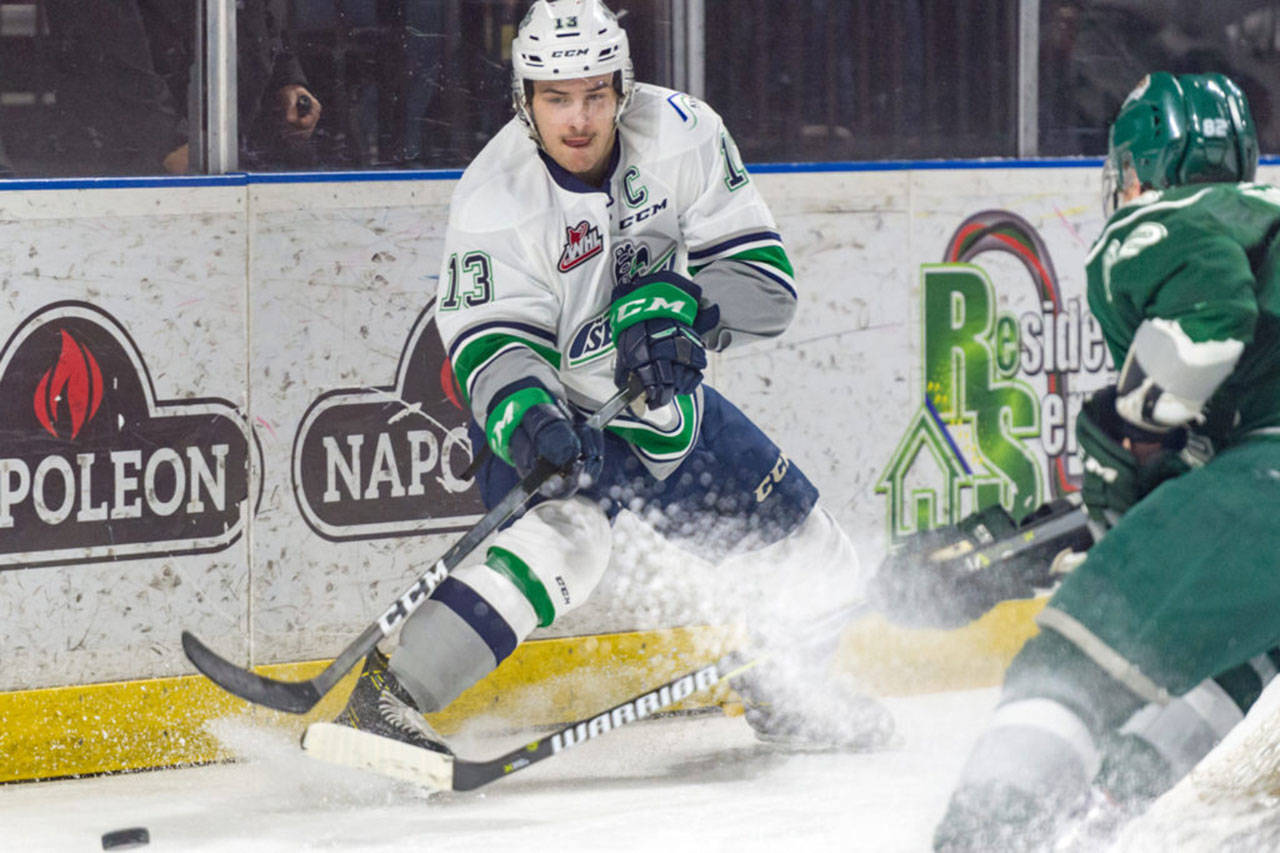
(565, 40)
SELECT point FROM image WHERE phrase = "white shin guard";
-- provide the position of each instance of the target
(1184, 731)
(783, 586)
(1038, 746)
(559, 551)
(541, 567)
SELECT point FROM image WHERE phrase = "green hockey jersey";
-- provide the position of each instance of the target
(1207, 258)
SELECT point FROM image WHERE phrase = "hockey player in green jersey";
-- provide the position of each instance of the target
(1155, 645)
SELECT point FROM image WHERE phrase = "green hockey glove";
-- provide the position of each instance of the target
(1114, 479)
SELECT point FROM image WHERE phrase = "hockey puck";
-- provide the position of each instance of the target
(125, 839)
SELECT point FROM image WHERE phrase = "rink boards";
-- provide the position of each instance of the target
(222, 409)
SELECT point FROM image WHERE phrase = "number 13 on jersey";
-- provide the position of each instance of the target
(477, 268)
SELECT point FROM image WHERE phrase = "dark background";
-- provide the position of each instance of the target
(424, 83)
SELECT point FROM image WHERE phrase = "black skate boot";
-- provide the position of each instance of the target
(381, 730)
(816, 712)
(380, 705)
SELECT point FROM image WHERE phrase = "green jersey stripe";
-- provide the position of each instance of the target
(658, 444)
(769, 254)
(476, 354)
(1140, 212)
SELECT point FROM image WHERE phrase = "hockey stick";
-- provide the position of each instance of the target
(950, 580)
(1067, 528)
(444, 772)
(298, 697)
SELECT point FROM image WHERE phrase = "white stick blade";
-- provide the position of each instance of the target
(353, 748)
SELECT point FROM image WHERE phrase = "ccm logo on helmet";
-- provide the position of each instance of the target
(564, 54)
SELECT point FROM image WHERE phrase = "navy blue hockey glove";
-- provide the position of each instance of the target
(657, 330)
(1114, 479)
(530, 426)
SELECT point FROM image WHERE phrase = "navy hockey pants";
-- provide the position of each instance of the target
(735, 491)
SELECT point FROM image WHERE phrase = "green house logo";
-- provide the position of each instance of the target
(995, 421)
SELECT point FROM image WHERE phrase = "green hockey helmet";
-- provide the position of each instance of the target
(1185, 129)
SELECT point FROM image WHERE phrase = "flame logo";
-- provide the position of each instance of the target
(77, 380)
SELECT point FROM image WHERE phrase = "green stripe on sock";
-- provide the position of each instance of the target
(518, 572)
(774, 256)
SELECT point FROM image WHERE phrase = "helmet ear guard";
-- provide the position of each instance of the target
(566, 40)
(1187, 129)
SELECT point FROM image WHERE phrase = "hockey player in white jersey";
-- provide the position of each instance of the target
(609, 234)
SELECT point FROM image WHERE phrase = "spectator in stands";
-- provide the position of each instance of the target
(124, 69)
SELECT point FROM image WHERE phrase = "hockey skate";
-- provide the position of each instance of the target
(816, 713)
(381, 730)
(991, 816)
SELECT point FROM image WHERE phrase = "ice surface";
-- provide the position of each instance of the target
(688, 783)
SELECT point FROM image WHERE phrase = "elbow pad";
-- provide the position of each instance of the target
(1167, 378)
(752, 304)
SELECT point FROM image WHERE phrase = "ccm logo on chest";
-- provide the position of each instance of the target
(642, 215)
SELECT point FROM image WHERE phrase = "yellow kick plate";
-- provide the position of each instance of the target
(128, 725)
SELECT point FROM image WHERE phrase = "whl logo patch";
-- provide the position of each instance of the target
(94, 466)
(582, 242)
(389, 460)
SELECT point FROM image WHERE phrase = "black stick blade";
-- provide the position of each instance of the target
(295, 697)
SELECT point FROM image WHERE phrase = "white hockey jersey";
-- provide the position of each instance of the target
(532, 255)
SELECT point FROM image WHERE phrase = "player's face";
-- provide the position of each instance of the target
(575, 119)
